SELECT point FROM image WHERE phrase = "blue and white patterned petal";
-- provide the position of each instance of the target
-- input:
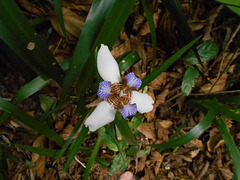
(133, 81)
(104, 89)
(128, 110)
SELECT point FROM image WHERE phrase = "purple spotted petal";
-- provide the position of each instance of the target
(133, 81)
(104, 89)
(128, 110)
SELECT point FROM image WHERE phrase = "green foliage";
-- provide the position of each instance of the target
(206, 51)
(189, 80)
(47, 102)
(119, 163)
(234, 5)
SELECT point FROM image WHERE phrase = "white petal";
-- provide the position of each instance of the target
(107, 65)
(102, 115)
(144, 101)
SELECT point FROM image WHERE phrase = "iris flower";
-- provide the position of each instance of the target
(119, 94)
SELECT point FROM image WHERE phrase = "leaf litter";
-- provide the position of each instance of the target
(203, 158)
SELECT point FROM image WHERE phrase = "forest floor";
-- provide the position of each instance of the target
(203, 158)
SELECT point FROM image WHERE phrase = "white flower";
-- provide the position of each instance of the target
(118, 95)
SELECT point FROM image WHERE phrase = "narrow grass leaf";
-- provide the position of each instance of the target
(17, 33)
(125, 130)
(156, 72)
(175, 9)
(27, 90)
(110, 31)
(151, 24)
(29, 121)
(97, 15)
(114, 140)
(92, 158)
(191, 135)
(100, 161)
(231, 146)
(189, 80)
(58, 10)
(75, 146)
(223, 109)
(38, 150)
(127, 61)
(70, 138)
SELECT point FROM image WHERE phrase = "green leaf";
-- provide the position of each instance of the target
(71, 136)
(75, 146)
(17, 33)
(125, 130)
(232, 149)
(151, 24)
(29, 121)
(206, 51)
(27, 90)
(192, 134)
(58, 10)
(41, 151)
(136, 121)
(156, 72)
(119, 164)
(113, 139)
(127, 61)
(47, 102)
(223, 109)
(92, 158)
(107, 140)
(189, 80)
(97, 15)
(230, 2)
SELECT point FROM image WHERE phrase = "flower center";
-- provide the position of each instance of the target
(120, 95)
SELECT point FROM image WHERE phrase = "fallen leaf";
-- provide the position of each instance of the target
(219, 86)
(145, 28)
(148, 130)
(73, 23)
(38, 159)
(67, 131)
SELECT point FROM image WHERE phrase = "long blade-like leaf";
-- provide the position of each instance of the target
(20, 37)
(232, 149)
(92, 158)
(97, 14)
(192, 134)
(156, 72)
(29, 121)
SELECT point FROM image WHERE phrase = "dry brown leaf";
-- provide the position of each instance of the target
(220, 85)
(94, 103)
(215, 140)
(211, 18)
(67, 131)
(38, 159)
(141, 163)
(59, 125)
(40, 166)
(162, 133)
(120, 50)
(158, 158)
(39, 142)
(166, 123)
(148, 130)
(151, 113)
(73, 23)
(196, 25)
(159, 82)
(148, 174)
(30, 6)
(227, 173)
(145, 28)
